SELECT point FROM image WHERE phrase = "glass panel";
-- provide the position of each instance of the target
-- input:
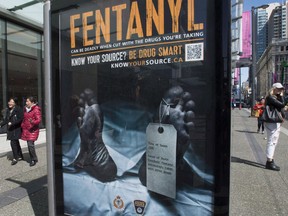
(24, 52)
(121, 68)
(32, 11)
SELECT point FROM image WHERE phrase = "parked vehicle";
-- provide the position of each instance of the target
(243, 104)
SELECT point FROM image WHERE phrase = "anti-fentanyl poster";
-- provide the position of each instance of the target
(136, 33)
(138, 88)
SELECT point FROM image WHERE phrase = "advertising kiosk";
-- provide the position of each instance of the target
(141, 107)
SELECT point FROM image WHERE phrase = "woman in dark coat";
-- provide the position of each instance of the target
(13, 120)
(30, 127)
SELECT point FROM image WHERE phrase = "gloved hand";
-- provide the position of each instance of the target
(93, 156)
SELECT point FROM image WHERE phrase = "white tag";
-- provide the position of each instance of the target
(161, 159)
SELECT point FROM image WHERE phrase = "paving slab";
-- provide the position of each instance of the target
(255, 190)
(23, 189)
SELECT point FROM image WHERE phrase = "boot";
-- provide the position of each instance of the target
(272, 166)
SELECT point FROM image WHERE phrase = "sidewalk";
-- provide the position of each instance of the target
(254, 189)
(23, 189)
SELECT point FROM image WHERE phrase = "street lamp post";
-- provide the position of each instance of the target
(254, 34)
(253, 56)
(240, 89)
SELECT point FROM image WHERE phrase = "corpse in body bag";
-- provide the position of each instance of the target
(104, 159)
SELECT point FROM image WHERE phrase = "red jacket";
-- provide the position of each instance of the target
(259, 107)
(30, 123)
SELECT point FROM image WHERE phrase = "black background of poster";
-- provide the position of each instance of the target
(212, 98)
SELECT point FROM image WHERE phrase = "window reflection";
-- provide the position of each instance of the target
(21, 52)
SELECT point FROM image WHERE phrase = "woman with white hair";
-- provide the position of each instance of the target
(275, 100)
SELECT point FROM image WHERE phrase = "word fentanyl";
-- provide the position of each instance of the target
(155, 16)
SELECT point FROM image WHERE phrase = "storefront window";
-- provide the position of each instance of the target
(21, 51)
(24, 62)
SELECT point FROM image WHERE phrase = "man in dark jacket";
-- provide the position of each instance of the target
(13, 120)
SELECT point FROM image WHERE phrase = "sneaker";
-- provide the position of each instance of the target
(258, 131)
(262, 132)
(13, 162)
(272, 166)
(20, 158)
(33, 163)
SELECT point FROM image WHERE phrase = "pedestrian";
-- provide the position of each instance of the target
(259, 107)
(30, 126)
(13, 119)
(233, 103)
(274, 99)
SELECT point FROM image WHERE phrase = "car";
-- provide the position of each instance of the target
(243, 104)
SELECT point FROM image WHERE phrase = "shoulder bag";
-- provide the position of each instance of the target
(271, 115)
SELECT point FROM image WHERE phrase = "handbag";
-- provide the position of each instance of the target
(271, 115)
(254, 113)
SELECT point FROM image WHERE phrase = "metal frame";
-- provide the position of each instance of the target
(20, 7)
(48, 105)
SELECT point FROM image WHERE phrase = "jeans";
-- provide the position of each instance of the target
(273, 132)
(260, 123)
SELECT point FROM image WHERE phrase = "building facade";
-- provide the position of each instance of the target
(236, 45)
(264, 27)
(236, 29)
(262, 32)
(21, 64)
(277, 24)
(272, 66)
